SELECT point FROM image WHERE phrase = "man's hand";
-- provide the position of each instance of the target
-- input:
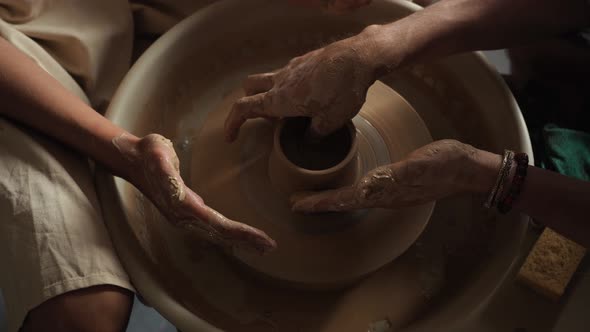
(329, 85)
(437, 170)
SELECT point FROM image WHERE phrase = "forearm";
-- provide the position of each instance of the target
(456, 26)
(559, 202)
(32, 97)
(555, 200)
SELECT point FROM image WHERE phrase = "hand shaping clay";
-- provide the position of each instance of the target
(192, 74)
(319, 251)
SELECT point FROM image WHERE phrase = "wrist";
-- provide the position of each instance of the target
(378, 56)
(127, 146)
(430, 33)
(397, 44)
(485, 167)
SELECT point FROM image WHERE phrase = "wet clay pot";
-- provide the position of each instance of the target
(298, 163)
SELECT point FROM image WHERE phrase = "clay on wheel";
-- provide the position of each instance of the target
(327, 250)
(314, 154)
(298, 163)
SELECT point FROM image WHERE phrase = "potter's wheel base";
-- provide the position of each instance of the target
(183, 78)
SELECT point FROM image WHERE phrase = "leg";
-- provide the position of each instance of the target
(103, 308)
(53, 237)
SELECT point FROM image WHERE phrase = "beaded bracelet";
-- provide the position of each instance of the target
(504, 181)
(501, 179)
(522, 164)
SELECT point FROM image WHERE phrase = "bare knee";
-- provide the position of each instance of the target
(99, 308)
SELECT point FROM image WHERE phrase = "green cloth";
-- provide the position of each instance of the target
(567, 151)
(559, 134)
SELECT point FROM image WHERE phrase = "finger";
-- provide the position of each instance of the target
(320, 127)
(343, 199)
(259, 83)
(245, 108)
(250, 238)
(218, 229)
(235, 234)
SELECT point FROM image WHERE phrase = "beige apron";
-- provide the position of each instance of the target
(52, 237)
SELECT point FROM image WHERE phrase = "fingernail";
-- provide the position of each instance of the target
(296, 197)
(295, 206)
(301, 206)
(267, 247)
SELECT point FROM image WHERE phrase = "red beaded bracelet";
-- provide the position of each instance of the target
(522, 164)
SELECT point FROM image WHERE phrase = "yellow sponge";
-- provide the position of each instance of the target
(551, 264)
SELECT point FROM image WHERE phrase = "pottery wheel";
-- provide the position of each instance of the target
(326, 250)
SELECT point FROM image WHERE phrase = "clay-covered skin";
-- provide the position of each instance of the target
(329, 84)
(311, 85)
(437, 170)
(157, 176)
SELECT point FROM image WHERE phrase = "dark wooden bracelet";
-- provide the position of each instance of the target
(522, 164)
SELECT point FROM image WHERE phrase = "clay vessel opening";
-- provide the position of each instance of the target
(316, 154)
(297, 164)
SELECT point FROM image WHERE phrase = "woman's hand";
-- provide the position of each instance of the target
(437, 170)
(336, 6)
(156, 174)
(329, 85)
(34, 98)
